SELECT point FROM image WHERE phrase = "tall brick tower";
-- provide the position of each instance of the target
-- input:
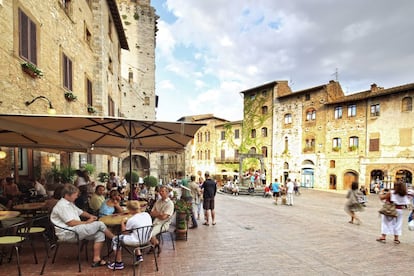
(138, 64)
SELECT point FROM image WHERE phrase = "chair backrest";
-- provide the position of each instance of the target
(21, 229)
(142, 234)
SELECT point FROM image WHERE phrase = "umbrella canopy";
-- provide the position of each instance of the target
(106, 135)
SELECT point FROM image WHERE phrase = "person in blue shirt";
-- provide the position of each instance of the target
(276, 191)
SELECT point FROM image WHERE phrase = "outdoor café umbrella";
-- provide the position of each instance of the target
(100, 135)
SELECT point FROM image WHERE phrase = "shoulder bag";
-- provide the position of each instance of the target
(388, 209)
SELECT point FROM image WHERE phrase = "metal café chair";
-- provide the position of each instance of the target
(13, 237)
(54, 244)
(144, 242)
(165, 229)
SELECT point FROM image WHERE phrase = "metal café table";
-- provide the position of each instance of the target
(8, 215)
(30, 208)
(115, 219)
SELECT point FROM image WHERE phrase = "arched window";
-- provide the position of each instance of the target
(311, 115)
(336, 144)
(264, 110)
(286, 145)
(264, 151)
(286, 166)
(332, 164)
(407, 104)
(288, 119)
(264, 131)
(253, 133)
(252, 150)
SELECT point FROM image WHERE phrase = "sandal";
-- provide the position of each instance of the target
(397, 242)
(99, 263)
(382, 240)
(206, 224)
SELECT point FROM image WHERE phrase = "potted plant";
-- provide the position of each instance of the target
(31, 70)
(70, 97)
(103, 177)
(91, 109)
(183, 209)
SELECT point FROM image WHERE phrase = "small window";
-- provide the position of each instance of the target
(89, 91)
(375, 110)
(353, 143)
(407, 104)
(27, 38)
(264, 93)
(352, 110)
(338, 112)
(110, 65)
(264, 151)
(374, 144)
(311, 115)
(252, 96)
(67, 73)
(223, 154)
(288, 119)
(252, 150)
(264, 131)
(307, 97)
(253, 133)
(88, 36)
(223, 135)
(264, 110)
(332, 164)
(206, 155)
(237, 134)
(236, 154)
(336, 144)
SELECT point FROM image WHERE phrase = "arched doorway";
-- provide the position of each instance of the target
(332, 182)
(349, 177)
(377, 178)
(307, 178)
(140, 164)
(404, 175)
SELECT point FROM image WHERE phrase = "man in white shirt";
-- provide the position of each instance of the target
(66, 214)
(290, 186)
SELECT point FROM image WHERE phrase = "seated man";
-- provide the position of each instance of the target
(161, 212)
(97, 199)
(66, 214)
(138, 219)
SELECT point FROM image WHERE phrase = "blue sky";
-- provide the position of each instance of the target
(209, 51)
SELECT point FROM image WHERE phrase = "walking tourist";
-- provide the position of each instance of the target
(289, 192)
(393, 225)
(276, 191)
(209, 188)
(353, 205)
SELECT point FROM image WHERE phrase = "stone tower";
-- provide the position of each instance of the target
(138, 64)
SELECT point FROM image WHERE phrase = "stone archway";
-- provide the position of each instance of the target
(140, 164)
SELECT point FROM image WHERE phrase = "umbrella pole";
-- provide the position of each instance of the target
(130, 162)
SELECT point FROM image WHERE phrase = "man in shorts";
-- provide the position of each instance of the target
(66, 214)
(276, 191)
(209, 189)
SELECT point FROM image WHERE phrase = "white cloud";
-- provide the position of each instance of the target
(239, 46)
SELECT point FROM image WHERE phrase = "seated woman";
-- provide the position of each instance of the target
(111, 205)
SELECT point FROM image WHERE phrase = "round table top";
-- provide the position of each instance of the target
(115, 219)
(8, 214)
(30, 206)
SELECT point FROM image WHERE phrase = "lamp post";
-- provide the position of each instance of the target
(50, 109)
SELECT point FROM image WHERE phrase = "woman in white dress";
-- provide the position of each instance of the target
(393, 225)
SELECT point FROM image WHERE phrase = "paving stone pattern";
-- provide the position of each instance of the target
(255, 237)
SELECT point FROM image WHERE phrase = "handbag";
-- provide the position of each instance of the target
(389, 210)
